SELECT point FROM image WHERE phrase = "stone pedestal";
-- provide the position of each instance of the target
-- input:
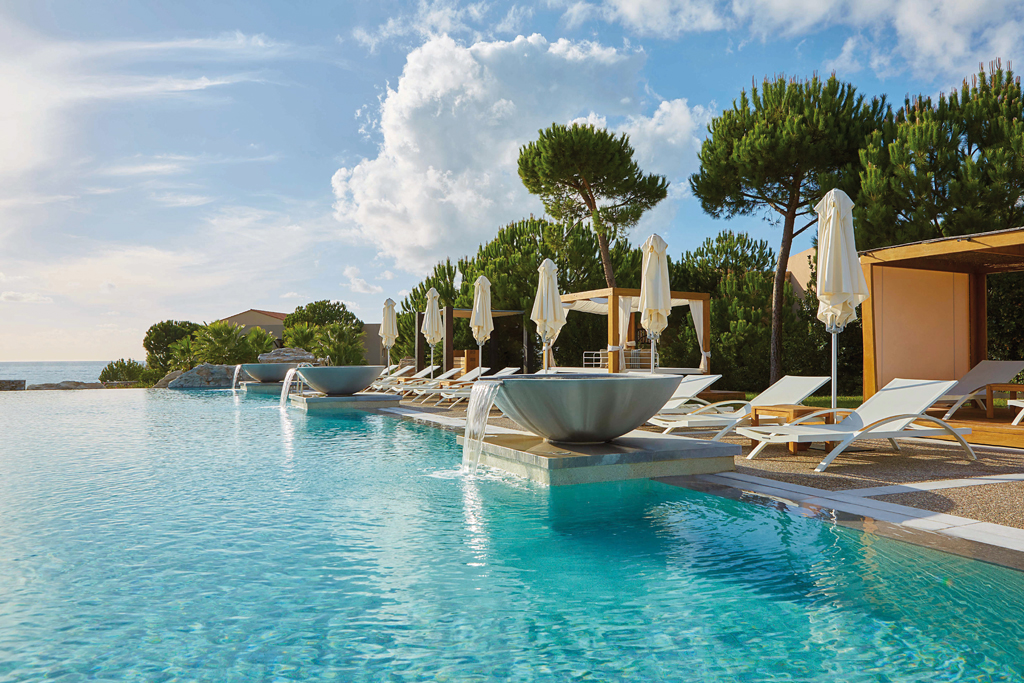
(12, 385)
(637, 455)
(318, 404)
(262, 388)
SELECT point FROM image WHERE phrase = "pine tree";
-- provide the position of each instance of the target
(584, 173)
(778, 151)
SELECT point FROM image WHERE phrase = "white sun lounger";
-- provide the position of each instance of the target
(461, 393)
(892, 413)
(428, 391)
(407, 387)
(973, 383)
(400, 376)
(789, 390)
(684, 398)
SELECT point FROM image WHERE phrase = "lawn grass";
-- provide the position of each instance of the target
(826, 401)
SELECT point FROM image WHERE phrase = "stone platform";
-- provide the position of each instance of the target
(637, 455)
(318, 404)
(262, 388)
(12, 385)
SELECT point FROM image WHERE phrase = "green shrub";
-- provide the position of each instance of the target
(123, 370)
(159, 338)
(221, 343)
(326, 312)
(151, 376)
(301, 336)
(183, 355)
(339, 345)
(259, 341)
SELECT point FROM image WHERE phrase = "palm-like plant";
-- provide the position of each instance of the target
(221, 343)
(339, 345)
(259, 341)
(183, 356)
(301, 336)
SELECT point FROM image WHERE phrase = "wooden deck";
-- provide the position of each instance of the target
(995, 432)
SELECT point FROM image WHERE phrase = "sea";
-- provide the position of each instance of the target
(40, 372)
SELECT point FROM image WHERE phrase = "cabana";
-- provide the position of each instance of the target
(449, 314)
(620, 305)
(926, 317)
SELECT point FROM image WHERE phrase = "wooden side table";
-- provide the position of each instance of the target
(990, 406)
(788, 413)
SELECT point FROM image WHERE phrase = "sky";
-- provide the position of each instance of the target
(192, 160)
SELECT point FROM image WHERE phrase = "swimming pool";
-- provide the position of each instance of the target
(150, 535)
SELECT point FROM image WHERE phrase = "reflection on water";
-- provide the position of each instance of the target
(141, 544)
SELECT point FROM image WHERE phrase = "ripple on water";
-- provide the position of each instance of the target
(156, 536)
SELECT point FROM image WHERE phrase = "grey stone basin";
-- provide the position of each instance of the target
(268, 372)
(577, 408)
(341, 380)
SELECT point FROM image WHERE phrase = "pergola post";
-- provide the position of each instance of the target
(613, 331)
(867, 314)
(449, 338)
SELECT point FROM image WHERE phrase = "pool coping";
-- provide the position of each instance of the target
(984, 541)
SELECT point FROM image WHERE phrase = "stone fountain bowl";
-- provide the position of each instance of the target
(268, 372)
(577, 408)
(341, 380)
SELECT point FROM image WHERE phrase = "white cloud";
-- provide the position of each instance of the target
(292, 295)
(386, 275)
(931, 38)
(181, 200)
(358, 284)
(515, 20)
(25, 298)
(432, 18)
(445, 178)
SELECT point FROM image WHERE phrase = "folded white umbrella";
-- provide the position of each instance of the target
(480, 321)
(547, 312)
(655, 294)
(433, 326)
(841, 284)
(389, 327)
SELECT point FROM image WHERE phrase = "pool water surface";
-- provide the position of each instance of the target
(152, 535)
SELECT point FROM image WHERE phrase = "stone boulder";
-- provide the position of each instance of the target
(168, 378)
(205, 376)
(12, 384)
(288, 355)
(67, 385)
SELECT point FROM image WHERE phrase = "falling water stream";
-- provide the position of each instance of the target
(481, 398)
(234, 378)
(286, 386)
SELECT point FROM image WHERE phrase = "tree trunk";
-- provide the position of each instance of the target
(778, 292)
(606, 260)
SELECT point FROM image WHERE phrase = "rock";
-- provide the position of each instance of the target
(168, 378)
(204, 376)
(12, 384)
(67, 385)
(288, 355)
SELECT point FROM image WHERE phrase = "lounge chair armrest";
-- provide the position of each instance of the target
(820, 413)
(907, 416)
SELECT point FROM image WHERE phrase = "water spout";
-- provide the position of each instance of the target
(286, 385)
(481, 398)
(234, 379)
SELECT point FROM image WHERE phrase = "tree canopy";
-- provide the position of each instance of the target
(324, 312)
(585, 173)
(952, 166)
(778, 150)
(159, 338)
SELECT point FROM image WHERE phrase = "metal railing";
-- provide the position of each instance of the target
(633, 359)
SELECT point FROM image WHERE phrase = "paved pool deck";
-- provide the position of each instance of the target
(929, 494)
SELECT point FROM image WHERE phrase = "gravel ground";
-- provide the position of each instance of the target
(873, 463)
(997, 503)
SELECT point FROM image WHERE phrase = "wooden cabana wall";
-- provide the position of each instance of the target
(927, 314)
(613, 294)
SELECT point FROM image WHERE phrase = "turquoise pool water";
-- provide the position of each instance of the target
(164, 536)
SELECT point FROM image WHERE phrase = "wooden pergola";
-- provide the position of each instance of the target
(927, 316)
(613, 294)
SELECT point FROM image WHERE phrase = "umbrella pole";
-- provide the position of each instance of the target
(389, 358)
(654, 351)
(479, 355)
(835, 370)
(432, 361)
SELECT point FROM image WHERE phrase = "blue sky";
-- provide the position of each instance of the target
(192, 160)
